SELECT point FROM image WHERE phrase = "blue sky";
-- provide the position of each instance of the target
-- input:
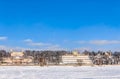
(53, 24)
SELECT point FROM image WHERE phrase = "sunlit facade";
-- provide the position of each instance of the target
(18, 58)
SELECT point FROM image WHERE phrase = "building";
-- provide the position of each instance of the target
(18, 58)
(76, 59)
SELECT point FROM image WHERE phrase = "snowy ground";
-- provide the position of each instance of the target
(27, 72)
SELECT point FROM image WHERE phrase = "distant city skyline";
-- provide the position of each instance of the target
(64, 24)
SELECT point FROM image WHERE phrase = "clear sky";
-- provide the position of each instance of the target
(43, 24)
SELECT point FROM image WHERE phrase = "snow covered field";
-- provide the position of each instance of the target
(27, 72)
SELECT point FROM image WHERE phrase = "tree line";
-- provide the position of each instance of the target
(54, 57)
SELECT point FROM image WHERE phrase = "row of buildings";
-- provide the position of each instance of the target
(19, 58)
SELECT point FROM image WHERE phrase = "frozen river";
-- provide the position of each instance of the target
(27, 72)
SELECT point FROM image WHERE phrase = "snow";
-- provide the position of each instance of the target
(59, 72)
